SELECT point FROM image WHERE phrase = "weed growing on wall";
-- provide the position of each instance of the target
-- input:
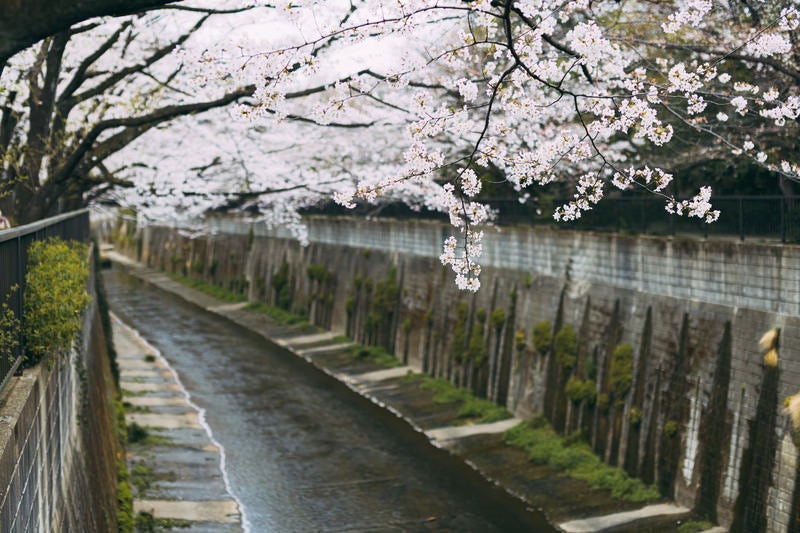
(621, 371)
(55, 296)
(459, 342)
(280, 282)
(542, 337)
(475, 349)
(565, 345)
(581, 390)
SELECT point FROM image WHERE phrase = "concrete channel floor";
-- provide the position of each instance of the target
(179, 468)
(364, 383)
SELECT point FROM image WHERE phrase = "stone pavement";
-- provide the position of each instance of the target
(176, 468)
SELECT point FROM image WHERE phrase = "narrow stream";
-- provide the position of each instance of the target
(303, 453)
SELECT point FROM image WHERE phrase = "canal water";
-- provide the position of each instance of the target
(303, 453)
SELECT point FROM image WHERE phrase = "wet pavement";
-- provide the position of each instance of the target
(176, 466)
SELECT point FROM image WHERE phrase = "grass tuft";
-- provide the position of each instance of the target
(695, 526)
(375, 354)
(473, 409)
(276, 313)
(209, 289)
(576, 458)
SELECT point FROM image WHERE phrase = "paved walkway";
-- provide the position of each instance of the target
(599, 523)
(177, 467)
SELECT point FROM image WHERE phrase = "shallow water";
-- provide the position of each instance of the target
(303, 453)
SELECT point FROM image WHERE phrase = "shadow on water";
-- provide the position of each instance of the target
(304, 453)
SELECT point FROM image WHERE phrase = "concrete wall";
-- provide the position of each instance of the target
(57, 453)
(703, 418)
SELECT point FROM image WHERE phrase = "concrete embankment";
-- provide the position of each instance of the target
(569, 503)
(694, 408)
(175, 464)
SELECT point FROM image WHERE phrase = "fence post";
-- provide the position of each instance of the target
(20, 302)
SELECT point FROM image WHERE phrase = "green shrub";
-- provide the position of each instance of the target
(125, 520)
(621, 376)
(635, 416)
(475, 350)
(565, 346)
(459, 344)
(375, 354)
(319, 273)
(520, 342)
(55, 296)
(498, 318)
(580, 390)
(542, 336)
(280, 282)
(481, 411)
(387, 293)
(444, 391)
(9, 329)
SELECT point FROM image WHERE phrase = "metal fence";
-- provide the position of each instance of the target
(763, 217)
(14, 245)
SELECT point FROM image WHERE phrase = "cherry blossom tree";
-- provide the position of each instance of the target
(581, 91)
(424, 100)
(82, 95)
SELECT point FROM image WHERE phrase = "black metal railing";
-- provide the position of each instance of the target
(14, 245)
(763, 217)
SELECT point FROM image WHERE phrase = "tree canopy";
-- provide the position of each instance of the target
(426, 102)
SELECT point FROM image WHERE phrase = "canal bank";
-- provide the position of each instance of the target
(175, 464)
(567, 502)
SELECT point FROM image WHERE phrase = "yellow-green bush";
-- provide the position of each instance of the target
(621, 370)
(9, 329)
(55, 296)
(542, 336)
(565, 346)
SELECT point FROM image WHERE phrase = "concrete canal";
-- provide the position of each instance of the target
(303, 452)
